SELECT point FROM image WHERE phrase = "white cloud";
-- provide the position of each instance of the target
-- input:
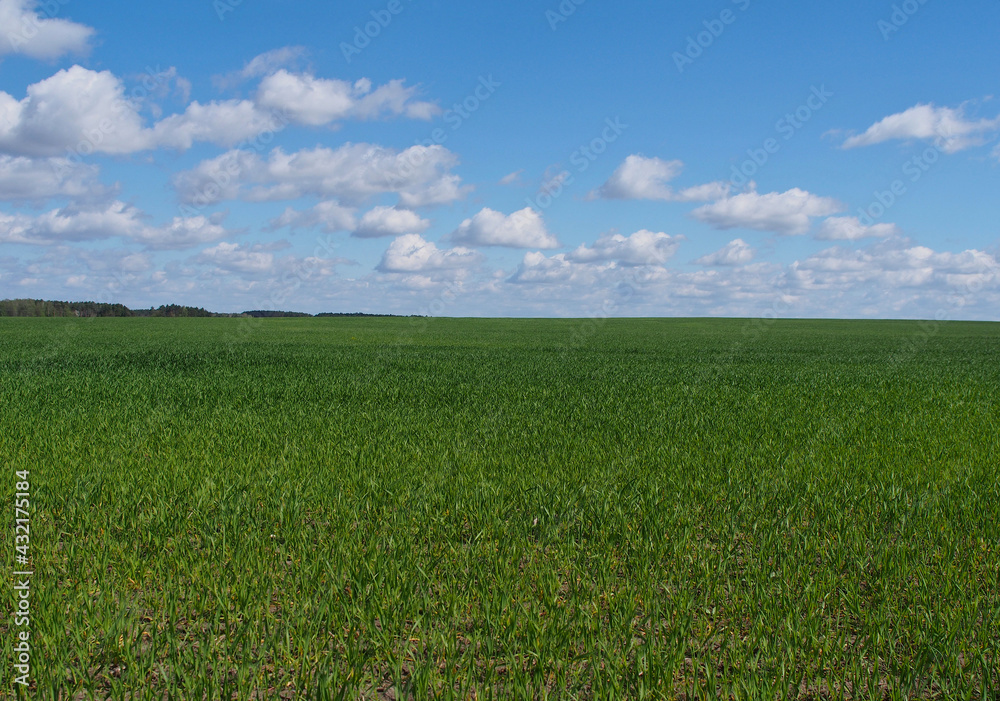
(223, 123)
(263, 64)
(641, 248)
(26, 179)
(318, 101)
(330, 216)
(113, 219)
(44, 37)
(640, 178)
(182, 232)
(899, 264)
(349, 174)
(851, 229)
(538, 268)
(71, 224)
(413, 254)
(785, 213)
(88, 112)
(736, 252)
(948, 127)
(237, 258)
(511, 178)
(76, 108)
(390, 221)
(522, 229)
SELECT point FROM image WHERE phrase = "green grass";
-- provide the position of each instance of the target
(357, 508)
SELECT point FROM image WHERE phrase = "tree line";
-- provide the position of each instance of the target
(42, 307)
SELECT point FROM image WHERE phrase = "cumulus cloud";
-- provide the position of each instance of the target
(27, 179)
(238, 258)
(76, 108)
(182, 232)
(43, 37)
(786, 213)
(522, 229)
(601, 263)
(948, 127)
(330, 216)
(349, 174)
(897, 263)
(76, 223)
(390, 221)
(318, 101)
(640, 178)
(851, 229)
(413, 254)
(580, 279)
(538, 268)
(736, 252)
(71, 224)
(641, 248)
(88, 112)
(224, 123)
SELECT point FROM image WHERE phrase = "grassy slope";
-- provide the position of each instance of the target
(620, 507)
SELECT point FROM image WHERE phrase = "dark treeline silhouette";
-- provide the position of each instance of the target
(176, 310)
(273, 314)
(265, 314)
(395, 316)
(41, 307)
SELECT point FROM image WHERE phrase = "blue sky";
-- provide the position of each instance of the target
(727, 158)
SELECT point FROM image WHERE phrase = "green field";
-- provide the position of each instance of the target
(398, 508)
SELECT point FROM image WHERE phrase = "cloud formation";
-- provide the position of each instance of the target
(641, 178)
(641, 248)
(76, 223)
(26, 32)
(522, 229)
(350, 174)
(736, 252)
(851, 229)
(948, 128)
(88, 111)
(787, 213)
(413, 254)
(390, 221)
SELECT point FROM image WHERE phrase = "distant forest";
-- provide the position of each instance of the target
(41, 307)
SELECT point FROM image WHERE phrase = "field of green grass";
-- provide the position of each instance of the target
(398, 508)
